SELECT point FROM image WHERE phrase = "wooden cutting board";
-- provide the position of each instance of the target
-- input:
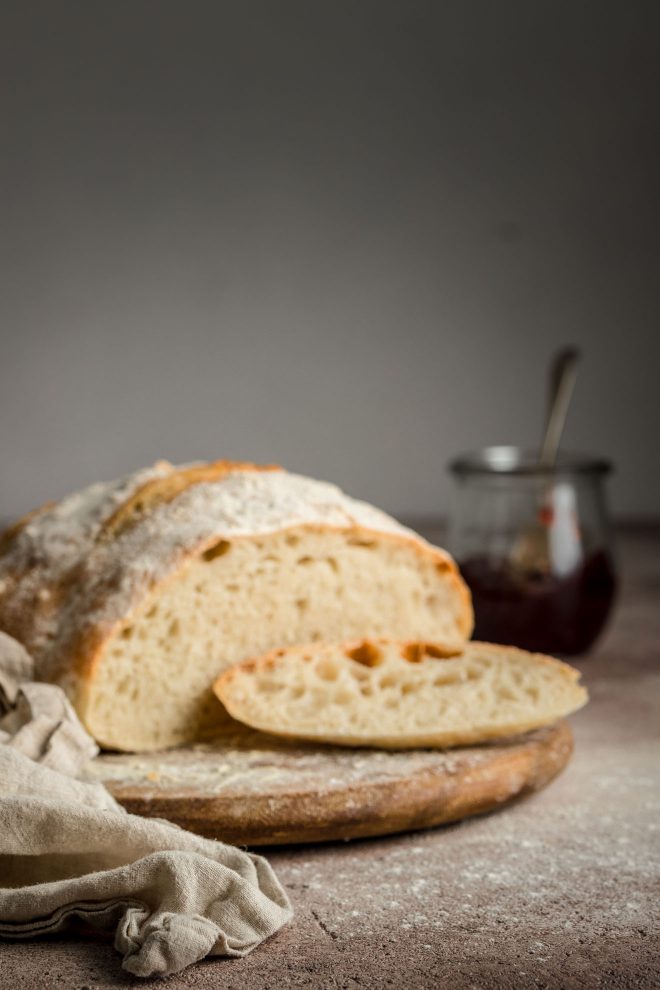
(251, 789)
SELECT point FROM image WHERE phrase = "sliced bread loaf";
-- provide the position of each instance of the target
(134, 594)
(399, 695)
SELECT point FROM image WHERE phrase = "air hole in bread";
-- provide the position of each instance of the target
(327, 670)
(292, 540)
(303, 561)
(127, 632)
(302, 604)
(332, 564)
(414, 652)
(355, 541)
(268, 686)
(505, 693)
(366, 653)
(218, 550)
(439, 652)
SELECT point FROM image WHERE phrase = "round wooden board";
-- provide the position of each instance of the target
(251, 789)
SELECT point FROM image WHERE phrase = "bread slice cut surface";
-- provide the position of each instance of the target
(397, 694)
(152, 686)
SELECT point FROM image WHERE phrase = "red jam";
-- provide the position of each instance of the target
(540, 611)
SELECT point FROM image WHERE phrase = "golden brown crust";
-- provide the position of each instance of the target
(44, 555)
(158, 491)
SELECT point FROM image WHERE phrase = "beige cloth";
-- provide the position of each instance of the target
(70, 853)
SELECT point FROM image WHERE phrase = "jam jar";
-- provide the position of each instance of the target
(534, 546)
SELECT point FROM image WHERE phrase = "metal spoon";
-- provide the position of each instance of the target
(563, 373)
(532, 550)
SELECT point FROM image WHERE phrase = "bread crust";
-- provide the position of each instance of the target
(159, 490)
(130, 538)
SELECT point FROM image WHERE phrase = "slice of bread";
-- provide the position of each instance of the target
(397, 694)
(134, 594)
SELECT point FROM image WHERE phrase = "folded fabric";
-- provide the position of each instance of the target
(38, 719)
(70, 853)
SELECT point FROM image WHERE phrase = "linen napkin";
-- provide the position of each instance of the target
(69, 853)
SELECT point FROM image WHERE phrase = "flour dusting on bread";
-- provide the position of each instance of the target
(136, 620)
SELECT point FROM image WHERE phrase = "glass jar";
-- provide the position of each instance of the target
(534, 546)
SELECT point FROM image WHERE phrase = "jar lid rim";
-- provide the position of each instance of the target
(511, 460)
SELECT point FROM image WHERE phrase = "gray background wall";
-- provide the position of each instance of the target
(345, 236)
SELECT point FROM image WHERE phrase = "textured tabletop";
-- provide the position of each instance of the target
(559, 890)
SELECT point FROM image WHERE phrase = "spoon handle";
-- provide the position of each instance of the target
(563, 374)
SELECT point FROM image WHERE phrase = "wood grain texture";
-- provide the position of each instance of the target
(252, 789)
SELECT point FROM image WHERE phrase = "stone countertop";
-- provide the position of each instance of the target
(558, 890)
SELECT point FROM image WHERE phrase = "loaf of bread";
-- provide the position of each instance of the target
(399, 695)
(134, 595)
